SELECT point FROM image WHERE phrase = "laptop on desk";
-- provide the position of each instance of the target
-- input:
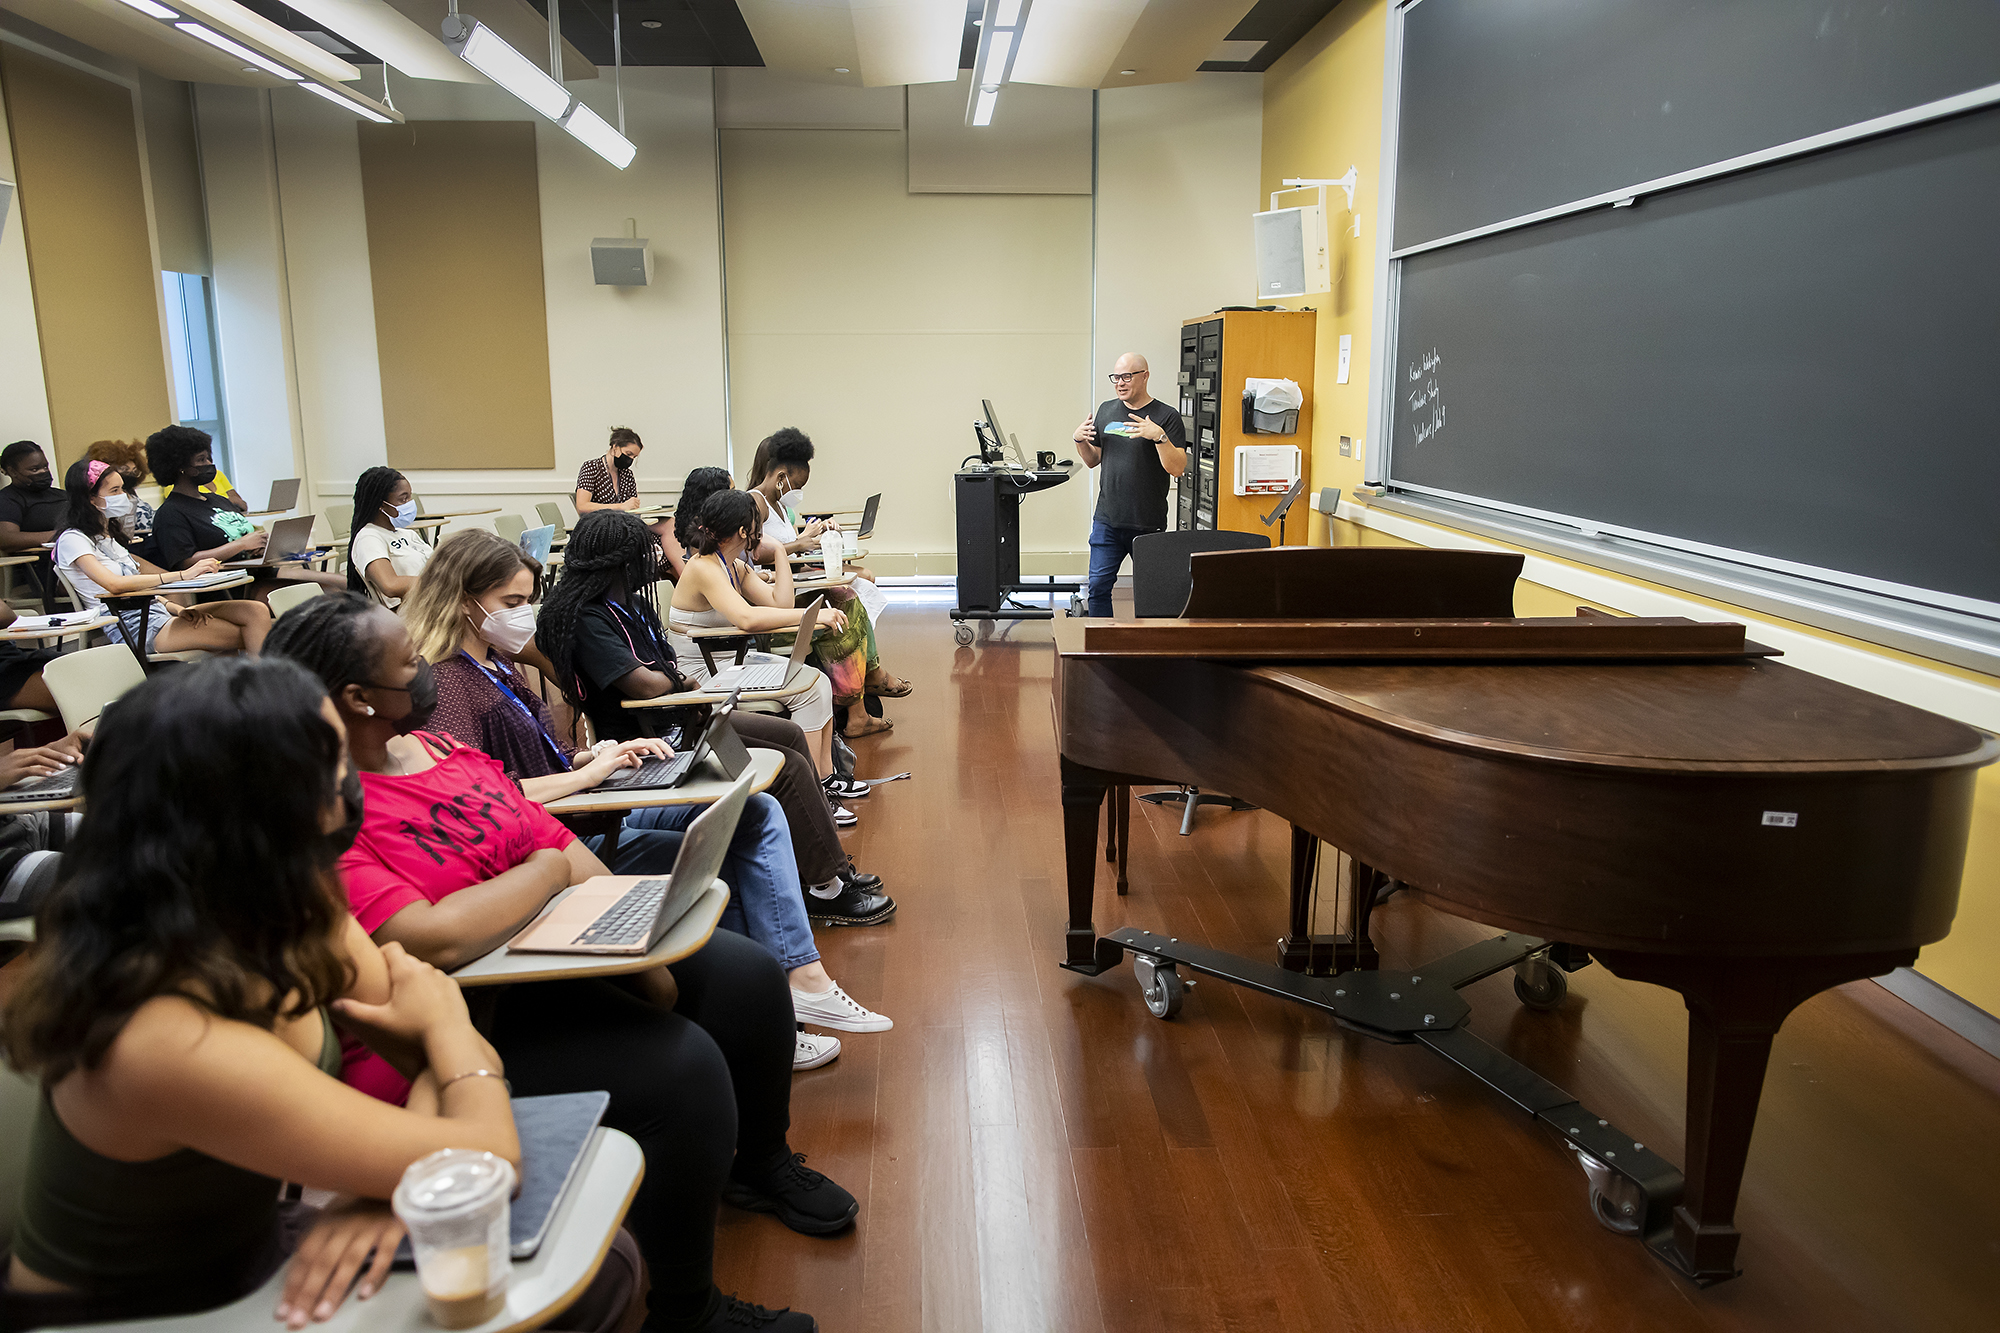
(771, 675)
(290, 538)
(284, 495)
(625, 915)
(719, 741)
(866, 528)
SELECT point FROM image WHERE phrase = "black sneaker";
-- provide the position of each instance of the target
(727, 1314)
(854, 879)
(852, 907)
(844, 789)
(803, 1199)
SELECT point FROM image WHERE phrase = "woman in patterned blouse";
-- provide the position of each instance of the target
(608, 482)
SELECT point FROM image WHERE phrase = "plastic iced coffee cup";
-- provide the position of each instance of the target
(829, 545)
(455, 1204)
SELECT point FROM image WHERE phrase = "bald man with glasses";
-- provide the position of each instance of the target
(1141, 446)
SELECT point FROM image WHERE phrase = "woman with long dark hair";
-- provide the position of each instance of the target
(92, 554)
(176, 1010)
(383, 556)
(452, 861)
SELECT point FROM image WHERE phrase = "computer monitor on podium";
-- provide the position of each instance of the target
(996, 445)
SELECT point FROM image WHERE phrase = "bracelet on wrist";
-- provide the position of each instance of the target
(476, 1073)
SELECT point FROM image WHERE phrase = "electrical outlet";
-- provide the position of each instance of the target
(1346, 447)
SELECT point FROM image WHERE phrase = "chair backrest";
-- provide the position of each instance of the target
(19, 1096)
(290, 595)
(84, 682)
(551, 513)
(1353, 583)
(510, 527)
(340, 518)
(1160, 575)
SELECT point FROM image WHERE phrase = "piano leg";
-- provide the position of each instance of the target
(1320, 955)
(1296, 948)
(1083, 792)
(1735, 1007)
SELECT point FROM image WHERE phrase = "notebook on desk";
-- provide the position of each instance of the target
(771, 675)
(626, 915)
(199, 582)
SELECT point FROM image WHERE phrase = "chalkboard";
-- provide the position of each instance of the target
(1797, 362)
(1509, 107)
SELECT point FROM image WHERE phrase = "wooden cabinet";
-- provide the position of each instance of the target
(1219, 352)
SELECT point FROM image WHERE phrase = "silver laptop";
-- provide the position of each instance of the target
(771, 675)
(718, 741)
(289, 538)
(627, 914)
(284, 494)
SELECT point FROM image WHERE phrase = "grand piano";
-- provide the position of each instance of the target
(1660, 796)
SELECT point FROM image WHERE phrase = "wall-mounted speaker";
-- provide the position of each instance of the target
(1291, 251)
(621, 261)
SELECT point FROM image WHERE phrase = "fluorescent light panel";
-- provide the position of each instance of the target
(594, 133)
(237, 49)
(982, 107)
(486, 52)
(151, 10)
(1000, 46)
(330, 95)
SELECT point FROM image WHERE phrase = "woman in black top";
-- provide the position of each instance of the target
(190, 525)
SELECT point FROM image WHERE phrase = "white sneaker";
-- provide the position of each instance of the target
(844, 818)
(838, 1010)
(813, 1049)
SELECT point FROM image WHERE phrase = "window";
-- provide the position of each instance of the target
(197, 377)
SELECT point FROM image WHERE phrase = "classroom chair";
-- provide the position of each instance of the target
(551, 513)
(186, 655)
(284, 599)
(84, 682)
(510, 527)
(19, 1096)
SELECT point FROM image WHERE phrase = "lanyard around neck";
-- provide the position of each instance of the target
(507, 693)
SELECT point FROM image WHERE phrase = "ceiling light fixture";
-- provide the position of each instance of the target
(595, 133)
(1128, 72)
(151, 10)
(840, 69)
(999, 39)
(346, 103)
(237, 49)
(480, 47)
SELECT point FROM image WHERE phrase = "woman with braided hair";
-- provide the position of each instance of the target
(383, 556)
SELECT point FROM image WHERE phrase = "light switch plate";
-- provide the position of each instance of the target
(1346, 355)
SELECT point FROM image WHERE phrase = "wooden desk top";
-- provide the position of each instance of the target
(219, 585)
(691, 932)
(579, 1237)
(711, 786)
(459, 513)
(814, 585)
(6, 560)
(709, 698)
(430, 521)
(71, 802)
(73, 623)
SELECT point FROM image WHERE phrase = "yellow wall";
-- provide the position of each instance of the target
(1323, 112)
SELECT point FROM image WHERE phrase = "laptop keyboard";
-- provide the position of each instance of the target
(629, 919)
(63, 782)
(755, 676)
(652, 773)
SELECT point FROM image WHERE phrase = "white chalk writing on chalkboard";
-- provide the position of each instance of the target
(1426, 402)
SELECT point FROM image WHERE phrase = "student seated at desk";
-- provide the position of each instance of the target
(129, 457)
(452, 861)
(179, 1008)
(192, 525)
(473, 606)
(609, 482)
(218, 488)
(31, 506)
(30, 843)
(383, 556)
(98, 564)
(21, 683)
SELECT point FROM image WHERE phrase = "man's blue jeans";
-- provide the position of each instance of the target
(1109, 545)
(765, 900)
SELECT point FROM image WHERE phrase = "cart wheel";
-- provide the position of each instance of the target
(1076, 604)
(1160, 984)
(1540, 984)
(1617, 1203)
(963, 633)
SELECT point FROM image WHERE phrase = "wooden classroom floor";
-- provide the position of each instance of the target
(1034, 1151)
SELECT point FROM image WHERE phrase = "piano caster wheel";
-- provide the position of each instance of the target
(1618, 1204)
(1076, 605)
(963, 633)
(1540, 984)
(1160, 984)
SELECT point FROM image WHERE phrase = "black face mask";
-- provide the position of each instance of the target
(201, 476)
(621, 461)
(342, 838)
(36, 481)
(423, 692)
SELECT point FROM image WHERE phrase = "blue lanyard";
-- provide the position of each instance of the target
(507, 693)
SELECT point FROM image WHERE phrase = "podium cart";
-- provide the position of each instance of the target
(988, 502)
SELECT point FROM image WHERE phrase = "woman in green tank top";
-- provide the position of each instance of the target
(176, 1010)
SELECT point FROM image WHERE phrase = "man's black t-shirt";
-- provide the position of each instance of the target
(1132, 486)
(34, 511)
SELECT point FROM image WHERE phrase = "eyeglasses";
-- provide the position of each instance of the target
(1128, 377)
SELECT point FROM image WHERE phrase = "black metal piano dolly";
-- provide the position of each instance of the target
(1633, 1190)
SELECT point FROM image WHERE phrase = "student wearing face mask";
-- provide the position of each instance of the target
(92, 554)
(383, 556)
(610, 481)
(31, 506)
(192, 525)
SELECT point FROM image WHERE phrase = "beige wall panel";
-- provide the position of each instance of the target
(461, 323)
(173, 165)
(875, 320)
(24, 397)
(1038, 143)
(90, 255)
(770, 99)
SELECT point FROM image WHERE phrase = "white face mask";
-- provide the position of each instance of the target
(404, 514)
(791, 497)
(118, 506)
(509, 629)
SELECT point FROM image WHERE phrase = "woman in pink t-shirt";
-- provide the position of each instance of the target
(452, 860)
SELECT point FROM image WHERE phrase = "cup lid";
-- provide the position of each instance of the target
(451, 1181)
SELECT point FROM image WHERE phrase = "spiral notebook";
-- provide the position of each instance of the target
(554, 1132)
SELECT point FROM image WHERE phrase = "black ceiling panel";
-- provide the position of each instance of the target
(685, 32)
(292, 21)
(1279, 24)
